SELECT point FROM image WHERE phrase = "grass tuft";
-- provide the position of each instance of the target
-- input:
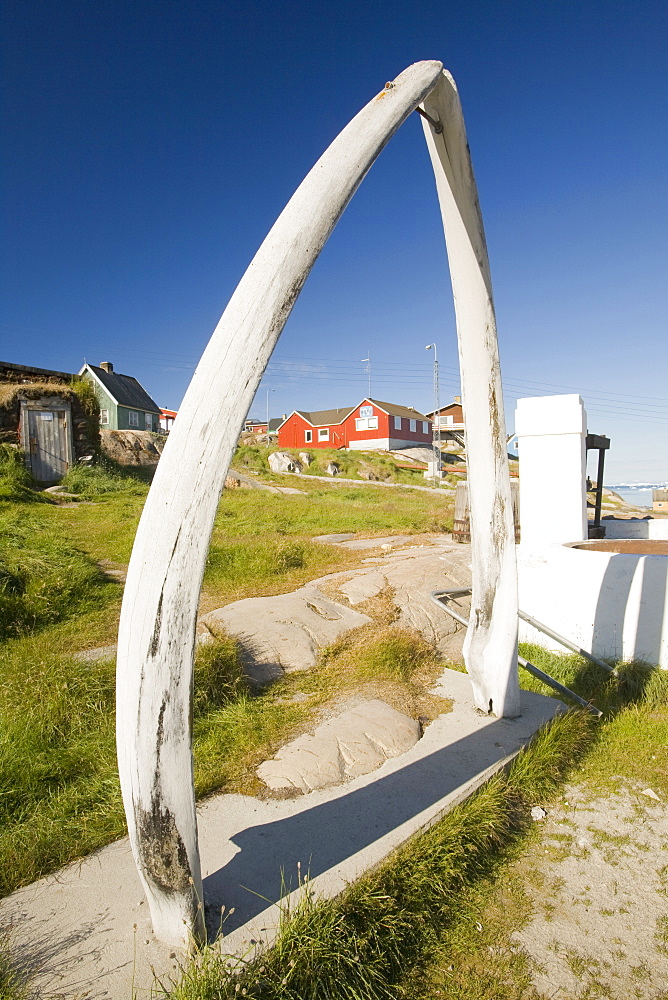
(93, 481)
(14, 983)
(16, 483)
(372, 653)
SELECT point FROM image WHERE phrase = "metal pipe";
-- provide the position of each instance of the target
(436, 596)
(599, 487)
(565, 642)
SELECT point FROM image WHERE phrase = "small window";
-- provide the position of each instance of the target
(425, 427)
(413, 425)
(323, 433)
(361, 424)
(148, 421)
(397, 423)
(373, 423)
(104, 416)
(449, 419)
(133, 418)
(308, 436)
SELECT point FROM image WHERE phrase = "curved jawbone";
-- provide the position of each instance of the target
(159, 613)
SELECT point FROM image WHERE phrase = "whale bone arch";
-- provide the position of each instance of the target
(159, 613)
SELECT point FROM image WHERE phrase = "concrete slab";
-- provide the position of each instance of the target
(334, 539)
(375, 543)
(87, 929)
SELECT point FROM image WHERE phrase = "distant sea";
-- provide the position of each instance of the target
(639, 494)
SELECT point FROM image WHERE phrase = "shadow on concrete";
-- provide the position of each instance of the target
(51, 956)
(317, 839)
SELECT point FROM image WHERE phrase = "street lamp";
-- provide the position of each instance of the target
(436, 426)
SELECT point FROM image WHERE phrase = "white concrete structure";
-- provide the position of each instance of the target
(613, 604)
(606, 597)
(157, 627)
(644, 527)
(551, 439)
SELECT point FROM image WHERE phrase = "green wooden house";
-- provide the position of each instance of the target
(124, 403)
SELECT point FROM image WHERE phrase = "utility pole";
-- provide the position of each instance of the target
(368, 369)
(436, 426)
(268, 391)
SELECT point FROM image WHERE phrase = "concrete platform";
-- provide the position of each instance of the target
(86, 930)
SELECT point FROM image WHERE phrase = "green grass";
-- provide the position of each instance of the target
(43, 579)
(437, 918)
(351, 464)
(14, 983)
(59, 795)
(104, 478)
(369, 942)
(16, 483)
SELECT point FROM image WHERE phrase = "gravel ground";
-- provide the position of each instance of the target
(600, 892)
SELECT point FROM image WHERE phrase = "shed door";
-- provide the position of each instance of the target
(48, 444)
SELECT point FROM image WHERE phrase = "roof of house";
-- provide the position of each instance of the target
(323, 418)
(27, 371)
(275, 423)
(123, 389)
(320, 418)
(398, 411)
(445, 407)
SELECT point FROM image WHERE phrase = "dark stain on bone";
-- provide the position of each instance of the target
(163, 855)
(155, 638)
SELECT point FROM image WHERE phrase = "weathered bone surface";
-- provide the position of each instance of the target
(490, 648)
(157, 628)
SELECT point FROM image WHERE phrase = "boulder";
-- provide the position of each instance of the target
(283, 633)
(141, 448)
(305, 458)
(332, 469)
(355, 742)
(281, 461)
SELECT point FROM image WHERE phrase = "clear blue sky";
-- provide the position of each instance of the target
(149, 146)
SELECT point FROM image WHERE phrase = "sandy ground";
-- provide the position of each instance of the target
(600, 890)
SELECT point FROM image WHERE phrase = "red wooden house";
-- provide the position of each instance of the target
(369, 426)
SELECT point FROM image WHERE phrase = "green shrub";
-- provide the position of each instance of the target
(90, 404)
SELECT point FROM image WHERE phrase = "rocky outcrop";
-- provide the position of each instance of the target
(353, 743)
(281, 461)
(138, 448)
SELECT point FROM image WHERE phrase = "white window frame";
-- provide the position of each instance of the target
(425, 426)
(372, 424)
(413, 425)
(323, 433)
(397, 423)
(104, 416)
(361, 423)
(308, 436)
(148, 421)
(448, 419)
(133, 418)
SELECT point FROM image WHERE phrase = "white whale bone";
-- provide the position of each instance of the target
(157, 627)
(490, 647)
